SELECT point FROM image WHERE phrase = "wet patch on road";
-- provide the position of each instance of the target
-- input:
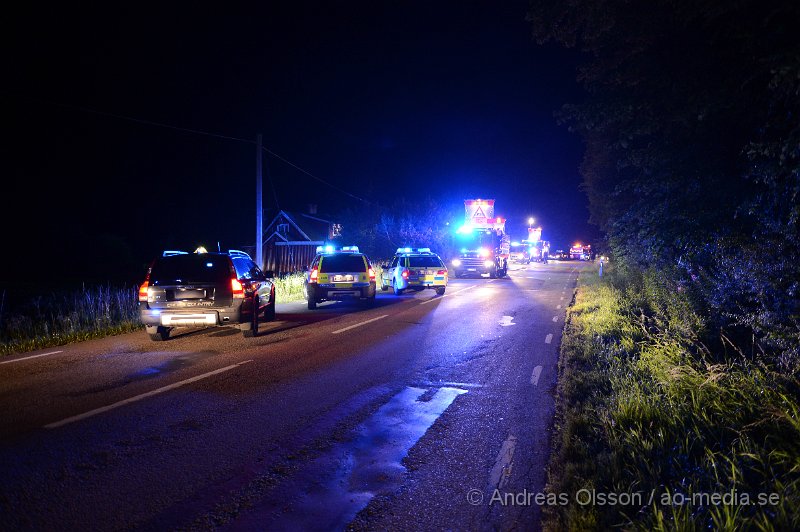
(341, 482)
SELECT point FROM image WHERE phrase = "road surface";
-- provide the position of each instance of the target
(417, 413)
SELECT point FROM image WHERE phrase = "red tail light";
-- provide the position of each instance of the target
(441, 272)
(143, 291)
(371, 274)
(314, 275)
(238, 290)
(405, 274)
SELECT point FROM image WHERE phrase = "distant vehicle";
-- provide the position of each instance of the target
(580, 252)
(539, 251)
(205, 290)
(343, 274)
(486, 246)
(414, 269)
(560, 254)
(519, 253)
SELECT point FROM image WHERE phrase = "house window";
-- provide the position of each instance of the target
(336, 230)
(283, 228)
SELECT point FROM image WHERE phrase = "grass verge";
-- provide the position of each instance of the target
(683, 436)
(59, 319)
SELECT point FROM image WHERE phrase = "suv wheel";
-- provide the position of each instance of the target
(397, 291)
(440, 290)
(253, 329)
(158, 334)
(312, 303)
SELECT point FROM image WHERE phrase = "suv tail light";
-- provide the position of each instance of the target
(143, 291)
(405, 274)
(371, 274)
(238, 290)
(144, 286)
(441, 272)
(314, 275)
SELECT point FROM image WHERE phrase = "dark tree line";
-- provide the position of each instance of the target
(692, 130)
(379, 229)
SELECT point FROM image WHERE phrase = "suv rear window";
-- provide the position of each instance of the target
(424, 262)
(195, 268)
(342, 263)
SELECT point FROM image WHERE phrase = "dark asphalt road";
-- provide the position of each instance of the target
(405, 420)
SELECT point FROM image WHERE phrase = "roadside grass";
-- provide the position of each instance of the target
(289, 287)
(645, 407)
(96, 312)
(59, 319)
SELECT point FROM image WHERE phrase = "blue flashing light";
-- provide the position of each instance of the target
(352, 249)
(515, 244)
(238, 253)
(209, 264)
(464, 250)
(465, 229)
(170, 253)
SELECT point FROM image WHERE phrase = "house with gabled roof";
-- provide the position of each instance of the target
(291, 239)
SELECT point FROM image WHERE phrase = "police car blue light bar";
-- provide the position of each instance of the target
(238, 253)
(352, 249)
(413, 250)
(171, 252)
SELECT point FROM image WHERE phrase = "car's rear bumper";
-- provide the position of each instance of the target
(205, 317)
(433, 283)
(334, 292)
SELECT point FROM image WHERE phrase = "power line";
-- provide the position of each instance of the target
(290, 163)
(198, 132)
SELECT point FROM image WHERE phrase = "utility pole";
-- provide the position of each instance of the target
(259, 209)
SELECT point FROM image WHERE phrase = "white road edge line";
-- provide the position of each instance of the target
(139, 397)
(501, 471)
(359, 324)
(537, 372)
(548, 338)
(437, 298)
(30, 357)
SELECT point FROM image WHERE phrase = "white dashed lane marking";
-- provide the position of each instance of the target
(359, 324)
(548, 338)
(537, 372)
(30, 357)
(139, 397)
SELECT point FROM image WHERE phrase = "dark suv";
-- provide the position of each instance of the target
(338, 275)
(204, 290)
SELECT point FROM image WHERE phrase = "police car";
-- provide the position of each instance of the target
(339, 275)
(414, 269)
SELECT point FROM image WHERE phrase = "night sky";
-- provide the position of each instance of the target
(452, 100)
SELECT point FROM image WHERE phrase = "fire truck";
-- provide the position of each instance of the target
(485, 245)
(579, 252)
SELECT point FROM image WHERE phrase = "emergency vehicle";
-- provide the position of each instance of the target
(339, 275)
(487, 247)
(580, 252)
(414, 269)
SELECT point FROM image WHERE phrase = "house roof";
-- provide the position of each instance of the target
(302, 226)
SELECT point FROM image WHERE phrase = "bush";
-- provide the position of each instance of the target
(645, 405)
(58, 319)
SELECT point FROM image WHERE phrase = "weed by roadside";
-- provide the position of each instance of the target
(708, 439)
(57, 319)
